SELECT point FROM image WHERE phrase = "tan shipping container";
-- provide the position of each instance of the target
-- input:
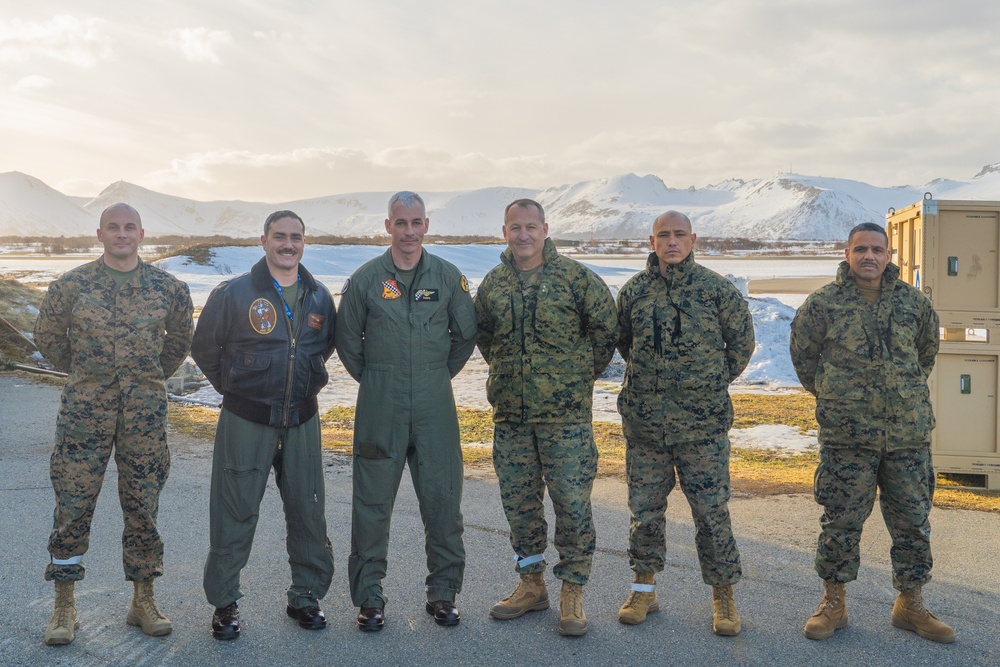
(950, 250)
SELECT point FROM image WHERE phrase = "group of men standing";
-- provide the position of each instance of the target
(547, 326)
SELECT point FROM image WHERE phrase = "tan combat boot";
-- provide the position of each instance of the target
(145, 614)
(725, 618)
(572, 620)
(63, 621)
(910, 614)
(530, 595)
(831, 615)
(641, 601)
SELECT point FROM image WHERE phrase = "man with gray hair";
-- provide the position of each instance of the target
(407, 326)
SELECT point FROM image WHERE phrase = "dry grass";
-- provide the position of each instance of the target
(753, 471)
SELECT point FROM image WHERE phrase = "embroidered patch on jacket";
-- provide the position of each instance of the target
(347, 284)
(262, 317)
(315, 321)
(465, 284)
(390, 290)
(425, 295)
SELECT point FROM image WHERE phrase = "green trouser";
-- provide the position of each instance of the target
(845, 484)
(563, 457)
(244, 454)
(436, 471)
(652, 468)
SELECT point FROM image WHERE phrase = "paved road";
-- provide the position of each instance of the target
(776, 536)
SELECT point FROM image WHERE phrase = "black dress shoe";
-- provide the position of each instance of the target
(226, 622)
(310, 618)
(445, 613)
(370, 619)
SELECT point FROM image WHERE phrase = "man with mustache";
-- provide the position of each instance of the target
(864, 346)
(262, 340)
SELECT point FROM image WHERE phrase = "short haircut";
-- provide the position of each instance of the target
(406, 198)
(524, 203)
(120, 206)
(868, 227)
(278, 215)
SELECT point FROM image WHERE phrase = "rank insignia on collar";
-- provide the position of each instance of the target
(465, 284)
(262, 317)
(425, 295)
(390, 290)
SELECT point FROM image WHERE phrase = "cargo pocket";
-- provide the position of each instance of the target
(239, 495)
(373, 474)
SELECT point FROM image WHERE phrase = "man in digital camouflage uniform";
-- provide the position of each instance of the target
(864, 346)
(686, 334)
(119, 327)
(547, 329)
(407, 326)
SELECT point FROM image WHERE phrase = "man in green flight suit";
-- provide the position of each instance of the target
(406, 327)
(547, 328)
(686, 334)
(864, 346)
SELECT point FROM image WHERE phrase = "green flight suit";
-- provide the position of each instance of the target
(403, 344)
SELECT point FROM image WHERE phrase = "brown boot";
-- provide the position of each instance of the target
(530, 595)
(572, 620)
(641, 601)
(145, 614)
(725, 617)
(910, 614)
(831, 615)
(63, 621)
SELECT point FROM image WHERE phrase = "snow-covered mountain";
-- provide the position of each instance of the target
(787, 206)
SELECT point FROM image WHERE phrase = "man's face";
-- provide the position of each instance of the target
(407, 226)
(525, 233)
(283, 244)
(868, 256)
(121, 233)
(672, 239)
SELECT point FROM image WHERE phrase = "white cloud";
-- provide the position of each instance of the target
(64, 38)
(199, 45)
(30, 82)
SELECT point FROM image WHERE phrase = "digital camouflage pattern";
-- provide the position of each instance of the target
(845, 485)
(544, 351)
(118, 346)
(867, 366)
(684, 339)
(703, 470)
(525, 457)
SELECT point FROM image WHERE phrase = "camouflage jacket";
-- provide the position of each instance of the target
(544, 360)
(684, 337)
(867, 365)
(139, 333)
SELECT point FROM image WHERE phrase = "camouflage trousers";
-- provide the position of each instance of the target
(528, 458)
(702, 466)
(83, 446)
(845, 484)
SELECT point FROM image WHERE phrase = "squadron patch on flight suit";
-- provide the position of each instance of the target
(390, 290)
(262, 317)
(347, 284)
(425, 295)
(465, 284)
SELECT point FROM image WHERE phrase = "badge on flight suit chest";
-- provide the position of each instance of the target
(390, 290)
(426, 295)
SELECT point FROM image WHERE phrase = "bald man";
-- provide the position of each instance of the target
(119, 327)
(686, 334)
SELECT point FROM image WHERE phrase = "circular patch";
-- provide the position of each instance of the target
(347, 285)
(262, 316)
(465, 284)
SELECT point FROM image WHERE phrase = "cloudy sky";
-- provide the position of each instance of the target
(273, 101)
